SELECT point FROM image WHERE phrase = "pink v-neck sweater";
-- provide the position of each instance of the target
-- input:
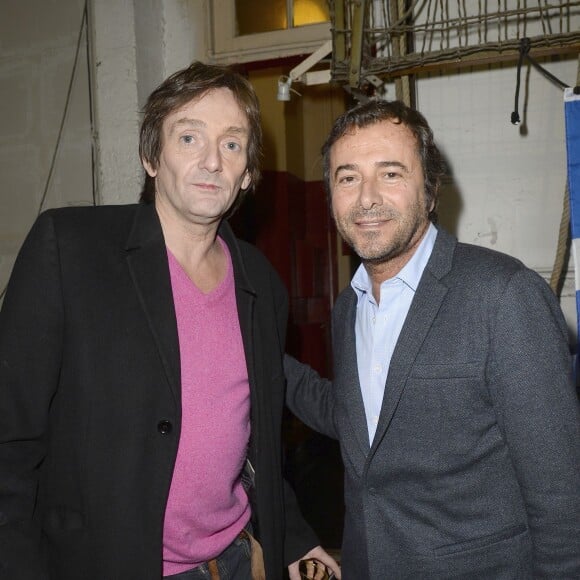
(207, 506)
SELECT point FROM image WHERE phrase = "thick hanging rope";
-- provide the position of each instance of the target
(561, 259)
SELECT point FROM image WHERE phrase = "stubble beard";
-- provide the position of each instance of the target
(373, 247)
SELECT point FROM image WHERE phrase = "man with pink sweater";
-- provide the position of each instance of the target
(141, 377)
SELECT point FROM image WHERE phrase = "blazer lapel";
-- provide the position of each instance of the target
(424, 308)
(346, 369)
(147, 261)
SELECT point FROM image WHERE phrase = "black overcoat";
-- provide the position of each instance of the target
(90, 403)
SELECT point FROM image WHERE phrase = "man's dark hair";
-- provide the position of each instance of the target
(184, 86)
(376, 111)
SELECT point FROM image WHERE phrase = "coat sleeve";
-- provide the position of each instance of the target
(309, 396)
(30, 354)
(530, 379)
(300, 537)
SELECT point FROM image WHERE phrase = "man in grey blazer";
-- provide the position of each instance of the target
(452, 396)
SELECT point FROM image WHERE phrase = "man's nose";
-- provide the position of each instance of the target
(369, 194)
(210, 158)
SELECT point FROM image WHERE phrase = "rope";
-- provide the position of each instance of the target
(561, 259)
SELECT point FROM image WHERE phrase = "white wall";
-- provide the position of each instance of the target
(508, 181)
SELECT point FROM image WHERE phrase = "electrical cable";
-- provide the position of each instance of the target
(524, 49)
(525, 45)
(65, 112)
(90, 60)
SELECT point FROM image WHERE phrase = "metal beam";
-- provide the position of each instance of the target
(338, 33)
(358, 21)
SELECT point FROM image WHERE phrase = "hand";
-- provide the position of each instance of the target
(316, 554)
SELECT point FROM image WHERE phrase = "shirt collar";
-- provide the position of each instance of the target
(411, 272)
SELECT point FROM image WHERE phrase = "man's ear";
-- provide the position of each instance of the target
(151, 171)
(432, 204)
(247, 180)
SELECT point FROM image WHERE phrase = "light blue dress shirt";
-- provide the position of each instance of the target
(378, 326)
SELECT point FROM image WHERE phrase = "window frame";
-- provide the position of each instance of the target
(226, 47)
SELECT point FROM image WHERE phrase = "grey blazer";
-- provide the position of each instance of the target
(474, 471)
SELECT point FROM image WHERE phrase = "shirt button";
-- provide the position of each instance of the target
(164, 427)
(377, 369)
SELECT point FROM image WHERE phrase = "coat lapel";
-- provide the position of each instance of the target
(245, 298)
(146, 256)
(347, 369)
(424, 308)
(245, 302)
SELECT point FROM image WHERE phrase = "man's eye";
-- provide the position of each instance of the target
(391, 175)
(232, 146)
(187, 139)
(346, 179)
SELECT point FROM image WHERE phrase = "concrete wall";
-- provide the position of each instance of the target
(136, 46)
(38, 42)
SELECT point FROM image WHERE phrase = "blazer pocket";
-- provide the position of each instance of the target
(505, 536)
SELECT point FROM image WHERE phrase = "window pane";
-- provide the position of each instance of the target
(255, 16)
(310, 12)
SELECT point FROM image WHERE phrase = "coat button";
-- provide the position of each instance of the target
(164, 427)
